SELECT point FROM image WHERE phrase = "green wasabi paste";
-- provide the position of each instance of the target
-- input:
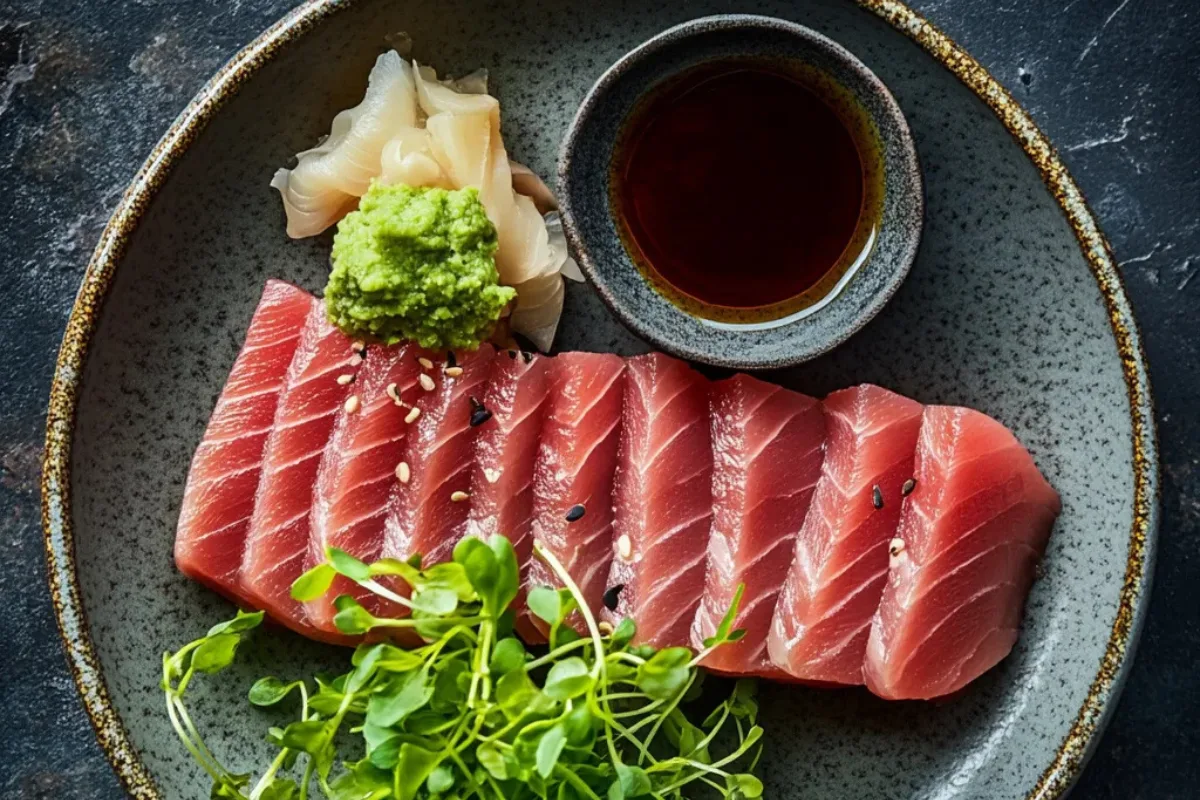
(416, 265)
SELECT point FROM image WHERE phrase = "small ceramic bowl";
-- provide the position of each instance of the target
(594, 229)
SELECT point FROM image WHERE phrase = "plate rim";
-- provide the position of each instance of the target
(1071, 754)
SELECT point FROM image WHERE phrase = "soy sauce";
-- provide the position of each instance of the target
(747, 190)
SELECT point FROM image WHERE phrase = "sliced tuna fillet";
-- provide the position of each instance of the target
(357, 477)
(767, 452)
(662, 500)
(219, 497)
(277, 544)
(428, 515)
(575, 465)
(824, 611)
(969, 538)
(505, 453)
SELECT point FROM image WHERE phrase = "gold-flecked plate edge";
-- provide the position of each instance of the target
(1070, 756)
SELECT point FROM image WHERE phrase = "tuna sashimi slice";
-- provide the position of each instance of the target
(824, 611)
(218, 500)
(575, 465)
(768, 445)
(662, 500)
(505, 453)
(970, 536)
(277, 543)
(428, 515)
(357, 477)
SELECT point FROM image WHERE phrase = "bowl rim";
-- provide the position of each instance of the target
(912, 182)
(1071, 754)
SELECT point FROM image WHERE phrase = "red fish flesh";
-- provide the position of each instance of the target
(219, 498)
(505, 453)
(277, 543)
(970, 536)
(824, 611)
(357, 477)
(429, 514)
(768, 446)
(662, 500)
(574, 472)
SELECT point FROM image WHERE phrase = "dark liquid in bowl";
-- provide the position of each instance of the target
(742, 191)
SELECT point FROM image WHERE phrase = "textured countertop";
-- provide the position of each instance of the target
(86, 88)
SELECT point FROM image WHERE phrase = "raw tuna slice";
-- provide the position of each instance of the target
(428, 515)
(767, 452)
(277, 543)
(824, 612)
(357, 477)
(219, 497)
(662, 500)
(505, 453)
(970, 536)
(575, 465)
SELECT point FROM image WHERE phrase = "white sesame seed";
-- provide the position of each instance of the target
(391, 392)
(403, 473)
(355, 360)
(458, 497)
(352, 403)
(425, 362)
(492, 475)
(624, 547)
(896, 546)
(413, 413)
(345, 379)
(454, 372)
(358, 345)
(605, 627)
(427, 382)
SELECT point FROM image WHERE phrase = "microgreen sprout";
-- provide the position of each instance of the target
(473, 713)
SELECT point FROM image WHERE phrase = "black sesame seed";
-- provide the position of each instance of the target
(908, 486)
(877, 497)
(480, 416)
(451, 361)
(612, 595)
(528, 356)
(575, 512)
(512, 354)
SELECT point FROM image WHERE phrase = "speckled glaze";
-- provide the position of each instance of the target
(1013, 306)
(585, 168)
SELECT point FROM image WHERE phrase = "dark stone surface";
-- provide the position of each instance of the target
(87, 88)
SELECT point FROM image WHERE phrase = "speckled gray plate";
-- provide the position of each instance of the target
(1013, 306)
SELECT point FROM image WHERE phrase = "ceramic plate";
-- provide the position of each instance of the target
(1013, 307)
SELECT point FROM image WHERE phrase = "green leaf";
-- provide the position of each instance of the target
(509, 654)
(567, 679)
(722, 634)
(549, 748)
(665, 673)
(515, 693)
(545, 604)
(313, 584)
(229, 787)
(631, 782)
(508, 578)
(580, 726)
(243, 622)
(362, 781)
(742, 702)
(402, 696)
(488, 576)
(280, 789)
(449, 575)
(364, 670)
(216, 653)
(314, 737)
(439, 602)
(410, 573)
(413, 768)
(745, 784)
(391, 658)
(490, 756)
(623, 634)
(347, 565)
(441, 779)
(351, 618)
(268, 691)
